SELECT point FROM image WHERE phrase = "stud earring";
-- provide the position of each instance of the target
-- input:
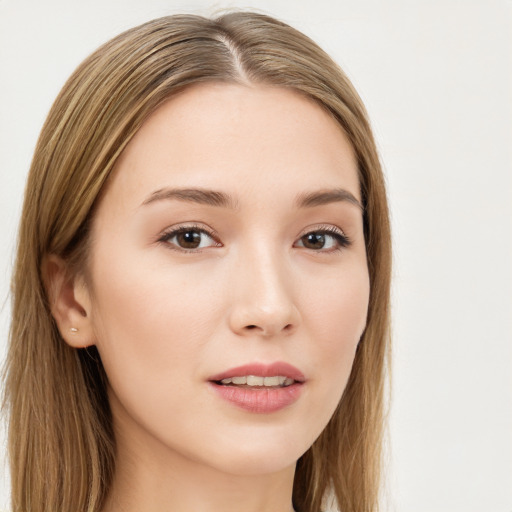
(73, 330)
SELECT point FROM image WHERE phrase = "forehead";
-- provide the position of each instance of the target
(241, 139)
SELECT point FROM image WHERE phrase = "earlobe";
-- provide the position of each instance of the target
(69, 302)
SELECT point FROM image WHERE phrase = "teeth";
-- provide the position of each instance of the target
(254, 380)
(271, 381)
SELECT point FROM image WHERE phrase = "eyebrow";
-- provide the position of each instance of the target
(221, 199)
(327, 196)
(194, 195)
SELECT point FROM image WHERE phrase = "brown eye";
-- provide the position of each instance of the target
(313, 241)
(189, 239)
(326, 240)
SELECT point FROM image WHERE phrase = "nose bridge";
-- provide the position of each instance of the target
(269, 278)
(265, 302)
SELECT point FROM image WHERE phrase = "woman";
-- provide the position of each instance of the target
(201, 293)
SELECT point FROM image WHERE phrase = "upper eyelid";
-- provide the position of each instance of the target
(169, 233)
(192, 227)
(325, 228)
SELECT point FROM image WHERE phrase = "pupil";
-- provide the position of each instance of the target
(314, 241)
(189, 239)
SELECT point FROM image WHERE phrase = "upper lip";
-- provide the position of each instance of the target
(262, 370)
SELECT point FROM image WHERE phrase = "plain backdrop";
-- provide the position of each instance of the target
(436, 77)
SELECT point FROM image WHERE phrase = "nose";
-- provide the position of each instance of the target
(263, 299)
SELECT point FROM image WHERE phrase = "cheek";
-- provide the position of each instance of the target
(336, 321)
(337, 309)
(149, 320)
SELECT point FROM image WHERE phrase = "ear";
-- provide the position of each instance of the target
(70, 302)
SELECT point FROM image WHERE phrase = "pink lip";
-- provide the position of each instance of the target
(260, 400)
(262, 370)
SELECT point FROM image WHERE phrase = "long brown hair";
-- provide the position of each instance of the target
(61, 443)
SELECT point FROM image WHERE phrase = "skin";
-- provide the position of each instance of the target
(165, 319)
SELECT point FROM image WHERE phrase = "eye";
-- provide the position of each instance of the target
(325, 240)
(189, 238)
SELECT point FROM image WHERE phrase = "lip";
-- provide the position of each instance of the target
(262, 400)
(262, 370)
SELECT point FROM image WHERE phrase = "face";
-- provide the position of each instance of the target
(229, 243)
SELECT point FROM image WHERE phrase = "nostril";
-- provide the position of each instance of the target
(287, 327)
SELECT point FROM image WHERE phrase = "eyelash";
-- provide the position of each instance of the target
(169, 235)
(342, 240)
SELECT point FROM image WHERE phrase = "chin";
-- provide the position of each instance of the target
(255, 464)
(257, 453)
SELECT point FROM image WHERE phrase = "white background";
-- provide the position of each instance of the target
(436, 76)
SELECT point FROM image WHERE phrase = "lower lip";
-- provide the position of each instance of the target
(259, 400)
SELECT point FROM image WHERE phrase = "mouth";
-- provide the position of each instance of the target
(260, 388)
(260, 375)
(256, 381)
